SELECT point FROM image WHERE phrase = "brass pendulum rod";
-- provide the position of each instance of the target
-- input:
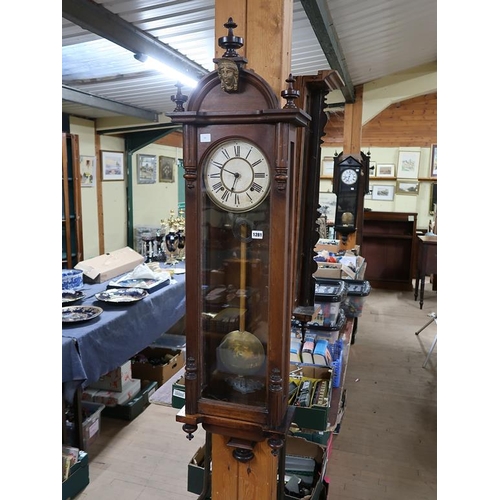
(243, 275)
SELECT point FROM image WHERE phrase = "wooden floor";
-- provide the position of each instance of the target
(386, 448)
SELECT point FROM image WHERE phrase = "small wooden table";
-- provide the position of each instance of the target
(427, 263)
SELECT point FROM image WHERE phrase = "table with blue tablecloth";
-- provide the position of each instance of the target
(92, 348)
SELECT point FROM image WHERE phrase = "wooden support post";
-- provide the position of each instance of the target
(352, 146)
(253, 480)
(266, 26)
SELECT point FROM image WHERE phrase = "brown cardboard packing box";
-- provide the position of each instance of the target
(109, 265)
(161, 372)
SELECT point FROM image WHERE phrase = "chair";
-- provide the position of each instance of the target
(433, 317)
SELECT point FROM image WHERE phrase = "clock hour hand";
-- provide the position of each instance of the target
(236, 177)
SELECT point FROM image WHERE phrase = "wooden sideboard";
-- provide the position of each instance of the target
(389, 245)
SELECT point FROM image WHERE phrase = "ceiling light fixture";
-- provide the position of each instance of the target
(173, 74)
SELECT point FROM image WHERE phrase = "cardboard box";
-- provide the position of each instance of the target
(319, 437)
(78, 477)
(113, 398)
(116, 379)
(298, 447)
(337, 270)
(314, 417)
(196, 471)
(109, 265)
(157, 372)
(133, 407)
(179, 393)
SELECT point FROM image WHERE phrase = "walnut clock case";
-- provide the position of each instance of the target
(239, 149)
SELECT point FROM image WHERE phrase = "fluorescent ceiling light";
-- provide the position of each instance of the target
(173, 74)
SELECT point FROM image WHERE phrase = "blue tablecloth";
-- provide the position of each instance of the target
(92, 348)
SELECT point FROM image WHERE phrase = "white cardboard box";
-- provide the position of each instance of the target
(116, 379)
(113, 398)
(109, 265)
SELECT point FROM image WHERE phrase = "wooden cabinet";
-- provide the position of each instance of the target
(389, 245)
(72, 236)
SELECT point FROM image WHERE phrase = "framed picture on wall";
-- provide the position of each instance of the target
(146, 169)
(112, 166)
(383, 193)
(385, 170)
(327, 167)
(372, 168)
(408, 163)
(166, 171)
(407, 187)
(434, 161)
(87, 171)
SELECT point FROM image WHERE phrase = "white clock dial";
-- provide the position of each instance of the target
(237, 175)
(349, 176)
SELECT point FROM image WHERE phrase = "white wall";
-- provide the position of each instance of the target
(114, 195)
(153, 202)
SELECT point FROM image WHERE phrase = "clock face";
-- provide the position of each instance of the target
(237, 175)
(349, 176)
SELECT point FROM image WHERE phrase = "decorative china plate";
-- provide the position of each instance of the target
(72, 314)
(120, 295)
(127, 281)
(72, 295)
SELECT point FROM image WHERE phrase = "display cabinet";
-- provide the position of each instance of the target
(72, 238)
(389, 245)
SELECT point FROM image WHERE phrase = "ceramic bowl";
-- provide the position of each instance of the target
(72, 279)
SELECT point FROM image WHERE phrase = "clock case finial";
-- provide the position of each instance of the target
(230, 64)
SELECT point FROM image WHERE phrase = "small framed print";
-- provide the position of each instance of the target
(327, 167)
(407, 187)
(383, 193)
(166, 171)
(434, 161)
(372, 168)
(408, 163)
(146, 169)
(87, 171)
(112, 166)
(385, 170)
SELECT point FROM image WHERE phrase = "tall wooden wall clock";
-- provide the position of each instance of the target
(350, 183)
(239, 149)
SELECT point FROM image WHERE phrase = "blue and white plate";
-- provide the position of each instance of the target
(73, 314)
(71, 296)
(121, 295)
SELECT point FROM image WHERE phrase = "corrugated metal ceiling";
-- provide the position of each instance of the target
(376, 38)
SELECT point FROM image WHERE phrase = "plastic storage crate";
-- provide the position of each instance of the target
(91, 427)
(329, 295)
(357, 291)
